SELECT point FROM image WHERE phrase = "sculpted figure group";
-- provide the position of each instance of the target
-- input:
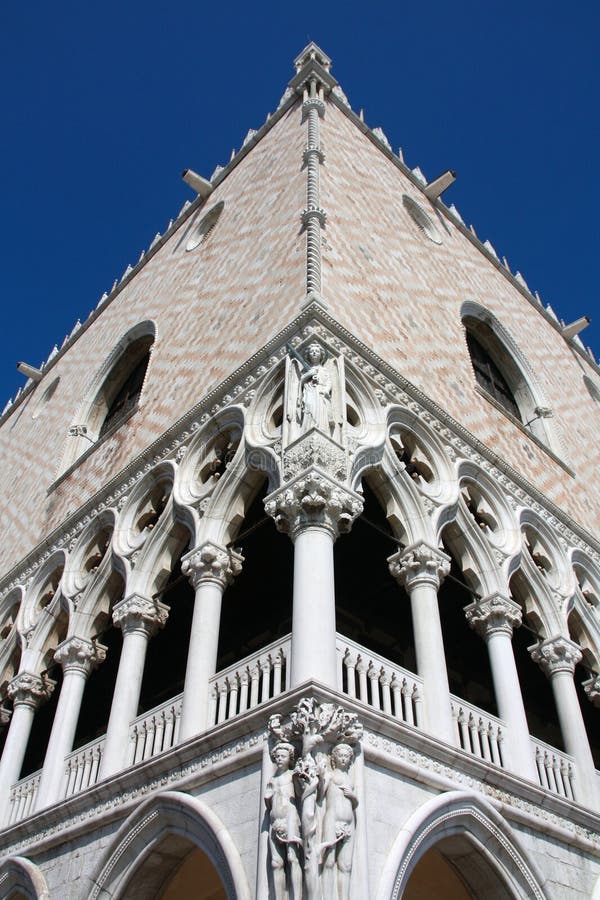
(311, 803)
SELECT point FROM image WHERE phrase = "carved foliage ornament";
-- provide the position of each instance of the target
(212, 563)
(556, 655)
(314, 500)
(30, 690)
(311, 801)
(419, 564)
(494, 614)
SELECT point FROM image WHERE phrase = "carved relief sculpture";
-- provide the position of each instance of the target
(312, 809)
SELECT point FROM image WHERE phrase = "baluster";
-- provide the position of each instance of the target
(539, 761)
(212, 706)
(244, 682)
(96, 760)
(483, 731)
(397, 698)
(87, 767)
(169, 728)
(176, 723)
(473, 744)
(493, 735)
(361, 668)
(568, 778)
(150, 746)
(278, 662)
(549, 771)
(373, 676)
(13, 806)
(407, 702)
(463, 729)
(159, 736)
(417, 706)
(136, 734)
(349, 663)
(222, 701)
(265, 687)
(557, 776)
(234, 682)
(254, 683)
(385, 680)
(21, 807)
(70, 777)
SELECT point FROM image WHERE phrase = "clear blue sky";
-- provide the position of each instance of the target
(104, 104)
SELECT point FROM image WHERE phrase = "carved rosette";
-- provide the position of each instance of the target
(314, 500)
(30, 690)
(138, 613)
(556, 655)
(79, 655)
(210, 563)
(419, 564)
(494, 615)
(592, 689)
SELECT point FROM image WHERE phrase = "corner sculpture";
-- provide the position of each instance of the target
(311, 801)
(314, 393)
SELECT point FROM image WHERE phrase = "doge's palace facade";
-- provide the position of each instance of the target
(300, 600)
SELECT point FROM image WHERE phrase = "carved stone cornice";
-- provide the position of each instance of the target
(27, 689)
(419, 564)
(138, 613)
(556, 655)
(314, 500)
(211, 563)
(79, 655)
(494, 615)
(592, 689)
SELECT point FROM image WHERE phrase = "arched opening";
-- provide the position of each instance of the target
(194, 879)
(467, 659)
(371, 607)
(538, 697)
(257, 606)
(435, 876)
(166, 656)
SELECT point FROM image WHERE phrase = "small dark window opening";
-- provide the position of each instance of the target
(127, 396)
(490, 378)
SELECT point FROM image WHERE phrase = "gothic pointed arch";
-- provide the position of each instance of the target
(175, 823)
(19, 878)
(477, 841)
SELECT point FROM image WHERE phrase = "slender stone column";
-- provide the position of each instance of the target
(77, 658)
(557, 657)
(494, 618)
(27, 691)
(313, 509)
(210, 569)
(139, 618)
(421, 569)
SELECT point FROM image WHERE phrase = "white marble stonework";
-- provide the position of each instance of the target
(264, 637)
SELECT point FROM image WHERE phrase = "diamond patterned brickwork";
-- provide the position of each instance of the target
(401, 294)
(213, 307)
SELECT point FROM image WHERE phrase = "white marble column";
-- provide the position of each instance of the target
(494, 618)
(139, 618)
(421, 569)
(27, 692)
(557, 657)
(77, 658)
(313, 509)
(210, 569)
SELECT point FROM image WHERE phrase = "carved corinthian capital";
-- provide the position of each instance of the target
(314, 500)
(419, 564)
(556, 655)
(211, 563)
(30, 690)
(137, 613)
(592, 689)
(494, 615)
(78, 655)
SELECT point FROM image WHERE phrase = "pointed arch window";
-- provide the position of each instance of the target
(127, 396)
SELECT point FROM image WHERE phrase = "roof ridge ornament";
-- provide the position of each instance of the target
(312, 52)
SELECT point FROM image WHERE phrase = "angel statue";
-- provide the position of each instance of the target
(314, 393)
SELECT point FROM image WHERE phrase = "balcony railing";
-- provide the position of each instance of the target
(251, 681)
(362, 675)
(378, 682)
(478, 732)
(555, 769)
(22, 797)
(83, 765)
